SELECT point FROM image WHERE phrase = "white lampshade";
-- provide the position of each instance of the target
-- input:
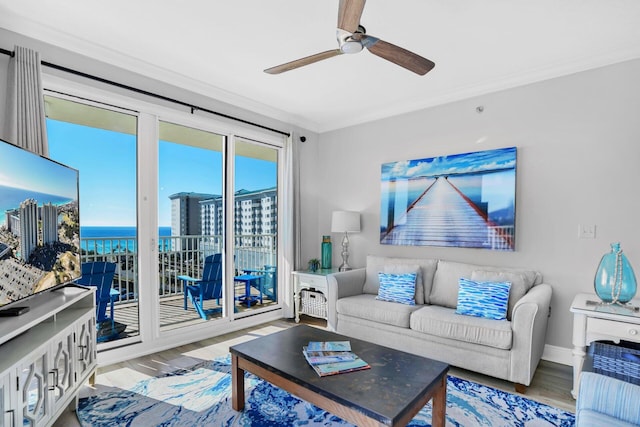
(345, 221)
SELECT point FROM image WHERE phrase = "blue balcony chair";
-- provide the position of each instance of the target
(100, 275)
(270, 282)
(207, 288)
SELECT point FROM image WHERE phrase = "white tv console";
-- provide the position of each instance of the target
(46, 355)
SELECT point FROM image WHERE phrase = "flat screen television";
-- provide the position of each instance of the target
(39, 226)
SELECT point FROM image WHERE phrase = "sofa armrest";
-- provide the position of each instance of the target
(609, 396)
(529, 325)
(340, 285)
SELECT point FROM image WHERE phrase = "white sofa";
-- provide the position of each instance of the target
(509, 349)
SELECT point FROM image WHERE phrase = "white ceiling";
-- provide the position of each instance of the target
(220, 47)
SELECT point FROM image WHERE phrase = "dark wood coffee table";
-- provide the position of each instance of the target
(391, 393)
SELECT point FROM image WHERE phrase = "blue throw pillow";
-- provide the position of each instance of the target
(483, 299)
(397, 288)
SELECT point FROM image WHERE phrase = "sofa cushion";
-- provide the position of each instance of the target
(407, 268)
(444, 291)
(483, 299)
(366, 306)
(521, 282)
(377, 264)
(399, 288)
(444, 322)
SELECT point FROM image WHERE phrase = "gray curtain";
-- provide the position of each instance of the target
(26, 126)
(291, 228)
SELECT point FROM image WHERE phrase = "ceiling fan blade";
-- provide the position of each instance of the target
(303, 61)
(398, 55)
(349, 13)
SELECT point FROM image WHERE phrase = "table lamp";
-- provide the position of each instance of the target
(345, 222)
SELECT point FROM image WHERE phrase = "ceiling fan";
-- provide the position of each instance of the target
(352, 38)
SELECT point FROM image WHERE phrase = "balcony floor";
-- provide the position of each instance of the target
(172, 312)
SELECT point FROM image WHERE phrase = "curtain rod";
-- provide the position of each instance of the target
(151, 94)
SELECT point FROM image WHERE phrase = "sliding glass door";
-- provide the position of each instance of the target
(255, 224)
(187, 211)
(101, 142)
(191, 225)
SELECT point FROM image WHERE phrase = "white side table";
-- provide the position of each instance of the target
(313, 280)
(593, 321)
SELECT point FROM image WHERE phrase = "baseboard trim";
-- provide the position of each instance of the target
(557, 354)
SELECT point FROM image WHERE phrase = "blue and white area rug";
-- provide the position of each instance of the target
(201, 396)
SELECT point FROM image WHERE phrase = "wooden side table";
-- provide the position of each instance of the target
(312, 280)
(593, 321)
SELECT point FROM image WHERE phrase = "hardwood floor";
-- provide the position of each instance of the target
(551, 384)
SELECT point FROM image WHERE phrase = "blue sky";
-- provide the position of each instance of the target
(43, 175)
(106, 161)
(480, 161)
(41, 179)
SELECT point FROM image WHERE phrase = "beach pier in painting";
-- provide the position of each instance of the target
(464, 200)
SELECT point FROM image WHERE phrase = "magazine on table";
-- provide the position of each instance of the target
(341, 367)
(320, 357)
(331, 362)
(329, 346)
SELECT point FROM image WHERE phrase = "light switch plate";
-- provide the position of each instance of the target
(587, 231)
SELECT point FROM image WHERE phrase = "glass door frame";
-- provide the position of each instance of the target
(178, 137)
(231, 134)
(149, 114)
(95, 102)
(276, 144)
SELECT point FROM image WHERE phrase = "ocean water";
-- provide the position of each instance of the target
(117, 239)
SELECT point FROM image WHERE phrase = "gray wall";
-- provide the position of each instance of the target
(578, 140)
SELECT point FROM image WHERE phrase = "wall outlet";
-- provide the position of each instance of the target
(587, 231)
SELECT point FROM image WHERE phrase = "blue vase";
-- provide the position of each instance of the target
(615, 281)
(326, 252)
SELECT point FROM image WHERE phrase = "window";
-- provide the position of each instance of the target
(158, 196)
(190, 184)
(101, 143)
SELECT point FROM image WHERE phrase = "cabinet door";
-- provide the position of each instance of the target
(61, 368)
(86, 349)
(32, 390)
(8, 413)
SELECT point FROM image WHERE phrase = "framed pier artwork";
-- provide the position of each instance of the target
(460, 200)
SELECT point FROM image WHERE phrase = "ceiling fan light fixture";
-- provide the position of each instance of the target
(352, 38)
(351, 46)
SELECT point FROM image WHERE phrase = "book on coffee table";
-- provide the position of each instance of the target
(329, 346)
(320, 357)
(326, 369)
(332, 357)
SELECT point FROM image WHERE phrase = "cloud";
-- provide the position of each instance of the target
(481, 161)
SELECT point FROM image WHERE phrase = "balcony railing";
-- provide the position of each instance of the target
(177, 256)
(501, 237)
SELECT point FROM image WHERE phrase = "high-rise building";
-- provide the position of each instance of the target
(28, 228)
(185, 218)
(49, 218)
(256, 217)
(255, 224)
(13, 221)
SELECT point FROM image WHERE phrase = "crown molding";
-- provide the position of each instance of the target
(559, 70)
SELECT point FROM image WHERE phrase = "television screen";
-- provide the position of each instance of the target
(39, 224)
